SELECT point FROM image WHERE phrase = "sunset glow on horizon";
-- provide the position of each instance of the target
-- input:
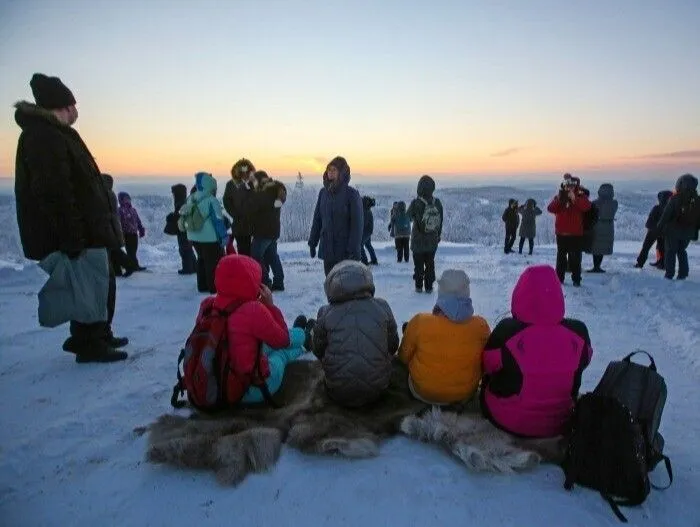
(398, 88)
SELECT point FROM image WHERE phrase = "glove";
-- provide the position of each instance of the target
(278, 204)
(312, 252)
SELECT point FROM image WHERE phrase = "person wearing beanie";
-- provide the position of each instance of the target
(338, 218)
(443, 349)
(236, 202)
(512, 220)
(132, 227)
(63, 202)
(189, 260)
(426, 213)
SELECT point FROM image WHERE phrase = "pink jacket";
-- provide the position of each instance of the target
(533, 362)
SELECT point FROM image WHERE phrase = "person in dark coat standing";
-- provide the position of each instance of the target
(426, 214)
(184, 246)
(512, 220)
(236, 196)
(604, 228)
(569, 206)
(679, 224)
(63, 203)
(528, 225)
(264, 207)
(120, 261)
(367, 231)
(338, 218)
(653, 235)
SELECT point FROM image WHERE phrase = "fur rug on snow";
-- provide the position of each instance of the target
(250, 439)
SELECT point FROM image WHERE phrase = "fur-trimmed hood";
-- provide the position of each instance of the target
(27, 112)
(236, 173)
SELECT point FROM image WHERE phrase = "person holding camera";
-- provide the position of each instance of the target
(569, 206)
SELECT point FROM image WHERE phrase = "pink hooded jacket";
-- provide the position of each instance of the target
(533, 362)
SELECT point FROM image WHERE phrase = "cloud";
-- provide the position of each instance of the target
(507, 152)
(680, 154)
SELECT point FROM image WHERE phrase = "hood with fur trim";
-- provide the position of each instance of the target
(237, 174)
(27, 112)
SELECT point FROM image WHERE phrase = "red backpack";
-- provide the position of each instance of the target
(207, 377)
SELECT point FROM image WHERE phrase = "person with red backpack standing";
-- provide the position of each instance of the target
(252, 342)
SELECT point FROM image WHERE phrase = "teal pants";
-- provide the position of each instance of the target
(278, 360)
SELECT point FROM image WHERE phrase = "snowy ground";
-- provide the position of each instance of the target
(69, 455)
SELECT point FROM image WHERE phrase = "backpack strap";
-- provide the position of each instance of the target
(179, 388)
(667, 462)
(652, 365)
(615, 506)
(263, 385)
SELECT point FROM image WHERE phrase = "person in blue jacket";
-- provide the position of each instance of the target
(338, 218)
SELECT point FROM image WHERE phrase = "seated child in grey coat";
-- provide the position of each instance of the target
(355, 336)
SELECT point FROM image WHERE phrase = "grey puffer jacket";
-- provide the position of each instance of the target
(355, 336)
(529, 213)
(604, 228)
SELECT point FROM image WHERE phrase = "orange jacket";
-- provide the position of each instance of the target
(444, 357)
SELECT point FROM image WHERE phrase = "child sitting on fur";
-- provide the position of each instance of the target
(355, 336)
(533, 362)
(255, 322)
(443, 349)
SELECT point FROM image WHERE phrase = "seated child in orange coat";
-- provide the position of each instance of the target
(443, 349)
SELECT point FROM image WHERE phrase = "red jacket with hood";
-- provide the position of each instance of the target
(238, 279)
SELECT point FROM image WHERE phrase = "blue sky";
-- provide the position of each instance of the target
(463, 88)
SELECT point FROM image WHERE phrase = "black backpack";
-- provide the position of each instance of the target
(689, 210)
(614, 440)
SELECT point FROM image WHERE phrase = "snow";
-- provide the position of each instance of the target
(70, 457)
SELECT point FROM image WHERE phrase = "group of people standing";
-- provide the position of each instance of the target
(65, 204)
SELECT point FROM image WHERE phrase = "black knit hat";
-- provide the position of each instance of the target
(50, 92)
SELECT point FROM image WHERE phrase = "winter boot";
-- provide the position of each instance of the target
(117, 342)
(98, 351)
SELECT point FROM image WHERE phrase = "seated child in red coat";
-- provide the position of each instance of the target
(257, 321)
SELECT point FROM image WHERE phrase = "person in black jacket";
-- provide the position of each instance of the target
(236, 197)
(653, 234)
(189, 260)
(512, 220)
(63, 203)
(367, 231)
(121, 263)
(264, 207)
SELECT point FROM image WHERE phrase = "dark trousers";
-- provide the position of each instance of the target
(569, 255)
(530, 241)
(86, 333)
(597, 261)
(676, 248)
(328, 265)
(208, 256)
(264, 251)
(402, 246)
(367, 244)
(120, 262)
(647, 244)
(244, 245)
(131, 241)
(189, 260)
(424, 270)
(510, 240)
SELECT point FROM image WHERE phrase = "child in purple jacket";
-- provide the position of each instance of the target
(132, 227)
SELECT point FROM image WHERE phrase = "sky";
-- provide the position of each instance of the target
(467, 88)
